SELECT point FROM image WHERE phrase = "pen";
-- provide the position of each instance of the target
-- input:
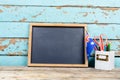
(108, 47)
(105, 48)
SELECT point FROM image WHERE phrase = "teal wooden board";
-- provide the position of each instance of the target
(115, 45)
(20, 46)
(13, 47)
(8, 29)
(92, 62)
(59, 14)
(21, 30)
(111, 30)
(16, 15)
(110, 3)
(22, 61)
(13, 60)
(117, 62)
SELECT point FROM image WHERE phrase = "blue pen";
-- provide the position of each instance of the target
(105, 48)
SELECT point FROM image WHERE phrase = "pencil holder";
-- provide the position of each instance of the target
(104, 60)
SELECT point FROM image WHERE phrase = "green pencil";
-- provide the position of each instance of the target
(108, 47)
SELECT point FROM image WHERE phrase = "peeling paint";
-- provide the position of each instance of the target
(1, 40)
(85, 14)
(3, 47)
(102, 25)
(23, 20)
(36, 15)
(18, 49)
(106, 14)
(12, 41)
(6, 6)
(19, 53)
(89, 6)
(11, 54)
(96, 21)
(21, 39)
(65, 12)
(58, 7)
(110, 9)
(15, 54)
(1, 11)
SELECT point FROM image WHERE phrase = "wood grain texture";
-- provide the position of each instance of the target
(60, 14)
(103, 3)
(21, 30)
(13, 47)
(25, 68)
(30, 73)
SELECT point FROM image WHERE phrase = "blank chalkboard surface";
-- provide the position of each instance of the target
(57, 45)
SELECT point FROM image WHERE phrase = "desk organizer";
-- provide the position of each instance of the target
(104, 60)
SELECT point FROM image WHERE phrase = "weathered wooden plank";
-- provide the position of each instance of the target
(41, 75)
(8, 29)
(111, 30)
(60, 14)
(58, 75)
(13, 60)
(20, 46)
(30, 73)
(13, 47)
(22, 61)
(103, 3)
(117, 62)
(17, 29)
(115, 45)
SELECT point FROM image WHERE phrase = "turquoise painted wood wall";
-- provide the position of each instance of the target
(101, 16)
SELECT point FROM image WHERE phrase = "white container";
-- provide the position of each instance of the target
(104, 60)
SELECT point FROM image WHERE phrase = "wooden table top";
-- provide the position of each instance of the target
(50, 73)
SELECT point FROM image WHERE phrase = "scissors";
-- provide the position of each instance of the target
(101, 41)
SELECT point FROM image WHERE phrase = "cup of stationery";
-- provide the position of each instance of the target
(104, 58)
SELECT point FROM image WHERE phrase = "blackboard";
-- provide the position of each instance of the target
(57, 45)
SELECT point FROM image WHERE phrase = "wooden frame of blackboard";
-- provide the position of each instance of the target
(56, 25)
